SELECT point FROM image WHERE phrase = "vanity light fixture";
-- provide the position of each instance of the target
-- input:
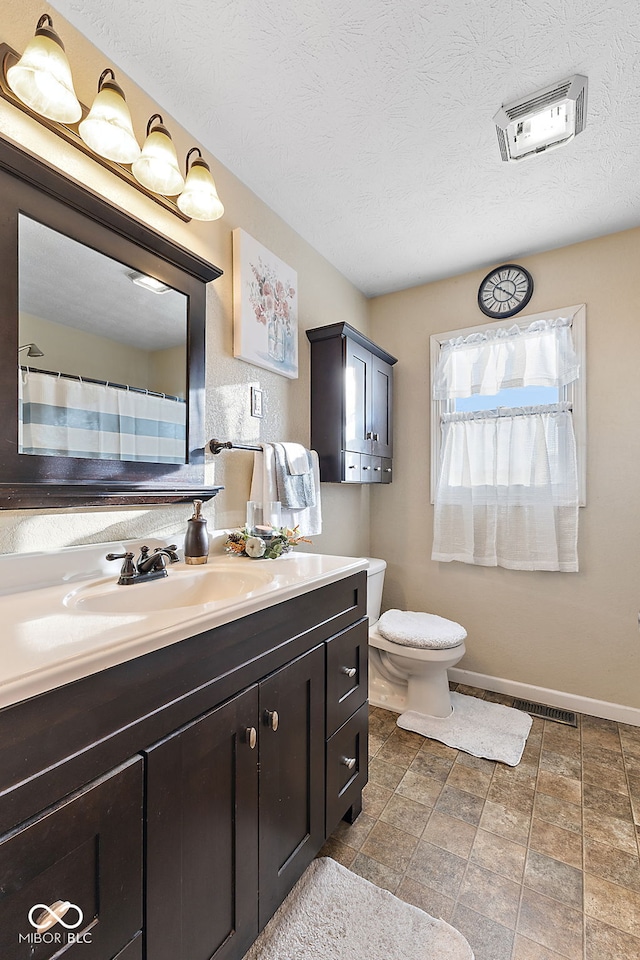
(41, 78)
(149, 283)
(543, 121)
(199, 199)
(157, 166)
(40, 84)
(108, 129)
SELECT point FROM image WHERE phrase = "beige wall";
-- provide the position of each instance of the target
(324, 297)
(571, 632)
(70, 350)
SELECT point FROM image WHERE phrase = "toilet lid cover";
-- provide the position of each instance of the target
(420, 629)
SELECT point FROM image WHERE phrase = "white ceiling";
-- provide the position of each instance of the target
(367, 124)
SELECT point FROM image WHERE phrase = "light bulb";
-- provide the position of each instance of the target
(108, 129)
(199, 199)
(157, 166)
(41, 78)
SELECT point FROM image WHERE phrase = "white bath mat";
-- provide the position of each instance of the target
(333, 914)
(478, 727)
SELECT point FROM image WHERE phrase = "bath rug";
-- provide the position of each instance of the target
(333, 914)
(478, 727)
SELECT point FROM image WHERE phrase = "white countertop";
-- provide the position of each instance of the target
(55, 633)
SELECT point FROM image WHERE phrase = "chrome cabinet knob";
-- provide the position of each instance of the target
(376, 436)
(352, 466)
(377, 469)
(251, 737)
(348, 671)
(365, 468)
(368, 435)
(387, 469)
(271, 719)
(348, 762)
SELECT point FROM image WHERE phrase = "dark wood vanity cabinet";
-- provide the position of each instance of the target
(224, 757)
(351, 405)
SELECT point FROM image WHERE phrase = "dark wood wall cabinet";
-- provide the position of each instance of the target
(174, 800)
(351, 405)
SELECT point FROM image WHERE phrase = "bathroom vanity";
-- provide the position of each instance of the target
(174, 798)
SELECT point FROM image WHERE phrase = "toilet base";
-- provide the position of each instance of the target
(419, 683)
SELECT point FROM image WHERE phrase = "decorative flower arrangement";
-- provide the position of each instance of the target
(270, 301)
(242, 543)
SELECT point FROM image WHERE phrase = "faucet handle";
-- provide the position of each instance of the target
(128, 571)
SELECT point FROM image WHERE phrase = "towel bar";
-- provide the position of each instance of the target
(217, 446)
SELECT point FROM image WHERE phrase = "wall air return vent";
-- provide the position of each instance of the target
(543, 121)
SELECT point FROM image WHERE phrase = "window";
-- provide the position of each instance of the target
(507, 474)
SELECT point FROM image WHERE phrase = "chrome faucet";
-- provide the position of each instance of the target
(149, 566)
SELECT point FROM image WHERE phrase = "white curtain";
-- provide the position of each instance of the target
(540, 355)
(77, 418)
(507, 491)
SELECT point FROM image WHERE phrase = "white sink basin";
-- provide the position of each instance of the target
(181, 588)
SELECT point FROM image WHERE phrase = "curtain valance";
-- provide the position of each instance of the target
(541, 354)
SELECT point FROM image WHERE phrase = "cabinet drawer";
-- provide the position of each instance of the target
(347, 674)
(86, 850)
(347, 757)
(352, 467)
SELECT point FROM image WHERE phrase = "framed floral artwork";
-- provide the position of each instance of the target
(265, 307)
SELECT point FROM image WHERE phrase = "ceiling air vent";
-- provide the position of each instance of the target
(543, 121)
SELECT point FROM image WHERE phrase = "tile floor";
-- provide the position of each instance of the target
(534, 862)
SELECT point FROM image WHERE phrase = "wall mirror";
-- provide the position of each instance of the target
(106, 320)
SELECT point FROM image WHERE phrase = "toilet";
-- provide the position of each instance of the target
(411, 674)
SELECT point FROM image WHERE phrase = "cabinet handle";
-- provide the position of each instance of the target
(368, 435)
(50, 915)
(352, 466)
(348, 762)
(377, 469)
(387, 469)
(348, 671)
(376, 436)
(271, 719)
(365, 468)
(251, 737)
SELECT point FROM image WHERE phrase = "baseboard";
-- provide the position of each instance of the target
(553, 698)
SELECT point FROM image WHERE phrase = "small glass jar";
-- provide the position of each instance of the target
(263, 519)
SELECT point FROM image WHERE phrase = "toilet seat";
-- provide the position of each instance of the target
(420, 631)
(430, 654)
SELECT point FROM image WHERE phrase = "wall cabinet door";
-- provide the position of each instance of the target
(202, 836)
(381, 407)
(357, 398)
(291, 775)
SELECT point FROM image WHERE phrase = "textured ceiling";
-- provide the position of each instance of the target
(367, 124)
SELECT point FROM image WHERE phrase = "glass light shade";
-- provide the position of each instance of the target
(199, 199)
(157, 167)
(42, 80)
(108, 129)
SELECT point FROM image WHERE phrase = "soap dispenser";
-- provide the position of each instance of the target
(196, 542)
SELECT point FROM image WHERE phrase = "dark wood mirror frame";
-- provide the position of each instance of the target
(31, 187)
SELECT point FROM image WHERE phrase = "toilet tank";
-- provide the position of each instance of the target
(375, 582)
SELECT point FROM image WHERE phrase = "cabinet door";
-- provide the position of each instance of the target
(86, 850)
(357, 400)
(291, 776)
(202, 840)
(381, 407)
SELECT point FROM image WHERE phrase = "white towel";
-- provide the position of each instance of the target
(263, 488)
(296, 491)
(297, 458)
